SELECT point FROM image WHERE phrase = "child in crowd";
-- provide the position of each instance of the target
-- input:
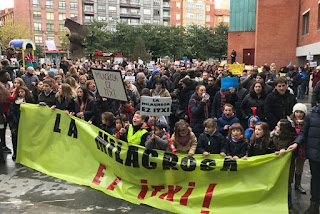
(137, 132)
(236, 146)
(161, 120)
(211, 141)
(252, 121)
(65, 99)
(58, 79)
(48, 95)
(260, 140)
(108, 125)
(227, 119)
(183, 138)
(120, 122)
(297, 121)
(157, 138)
(127, 109)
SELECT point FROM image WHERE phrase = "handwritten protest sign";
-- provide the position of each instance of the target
(236, 69)
(227, 82)
(110, 84)
(132, 79)
(310, 57)
(155, 106)
(313, 64)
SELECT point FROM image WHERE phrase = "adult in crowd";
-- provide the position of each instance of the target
(212, 87)
(159, 89)
(84, 106)
(241, 94)
(270, 76)
(310, 134)
(233, 56)
(250, 78)
(261, 77)
(199, 108)
(316, 95)
(256, 98)
(279, 103)
(64, 65)
(316, 76)
(294, 79)
(30, 78)
(4, 100)
(184, 96)
(140, 82)
(133, 89)
(155, 75)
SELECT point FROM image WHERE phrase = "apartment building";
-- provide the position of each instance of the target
(132, 12)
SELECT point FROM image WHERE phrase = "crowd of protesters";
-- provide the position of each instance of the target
(261, 116)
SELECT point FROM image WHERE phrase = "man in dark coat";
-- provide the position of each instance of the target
(294, 80)
(310, 134)
(316, 95)
(64, 65)
(233, 56)
(279, 103)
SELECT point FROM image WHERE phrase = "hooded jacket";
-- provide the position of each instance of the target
(223, 120)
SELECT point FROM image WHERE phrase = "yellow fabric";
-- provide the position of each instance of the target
(136, 137)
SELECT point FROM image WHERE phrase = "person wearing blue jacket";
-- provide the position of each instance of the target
(304, 82)
(211, 141)
(227, 119)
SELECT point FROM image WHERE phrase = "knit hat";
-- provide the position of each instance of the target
(318, 68)
(300, 107)
(51, 73)
(154, 72)
(262, 75)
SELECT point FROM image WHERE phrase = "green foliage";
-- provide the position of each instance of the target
(39, 52)
(158, 40)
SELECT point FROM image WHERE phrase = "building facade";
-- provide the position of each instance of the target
(274, 31)
(222, 15)
(192, 12)
(132, 12)
(6, 15)
(46, 18)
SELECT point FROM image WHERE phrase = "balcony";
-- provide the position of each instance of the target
(88, 1)
(130, 15)
(130, 3)
(166, 5)
(88, 12)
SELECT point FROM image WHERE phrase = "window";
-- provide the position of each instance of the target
(101, 18)
(88, 19)
(156, 2)
(306, 23)
(190, 16)
(112, 9)
(226, 19)
(147, 2)
(62, 16)
(50, 27)
(49, 16)
(147, 21)
(134, 21)
(166, 4)
(135, 11)
(61, 5)
(50, 38)
(134, 1)
(166, 14)
(37, 26)
(156, 22)
(178, 16)
(189, 4)
(178, 5)
(101, 7)
(146, 11)
(199, 16)
(38, 39)
(74, 6)
(61, 27)
(49, 4)
(124, 20)
(165, 23)
(199, 5)
(88, 8)
(178, 24)
(220, 19)
(74, 17)
(36, 15)
(123, 10)
(207, 18)
(207, 7)
(36, 3)
(156, 12)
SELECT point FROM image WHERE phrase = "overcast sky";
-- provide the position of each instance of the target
(9, 3)
(6, 4)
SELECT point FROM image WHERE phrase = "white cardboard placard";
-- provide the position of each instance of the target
(155, 106)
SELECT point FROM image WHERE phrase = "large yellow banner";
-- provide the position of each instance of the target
(68, 148)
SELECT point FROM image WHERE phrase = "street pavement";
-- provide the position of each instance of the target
(24, 190)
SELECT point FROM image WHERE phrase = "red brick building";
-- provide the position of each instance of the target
(46, 18)
(273, 31)
(221, 15)
(6, 15)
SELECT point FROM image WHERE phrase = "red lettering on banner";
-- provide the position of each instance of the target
(99, 174)
(208, 196)
(144, 190)
(205, 211)
(156, 190)
(184, 198)
(171, 192)
(115, 182)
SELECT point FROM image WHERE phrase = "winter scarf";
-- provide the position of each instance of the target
(224, 94)
(184, 140)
